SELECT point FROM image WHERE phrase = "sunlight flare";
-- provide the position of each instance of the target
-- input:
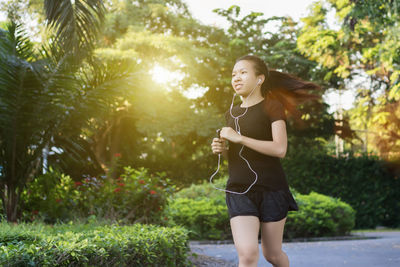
(165, 77)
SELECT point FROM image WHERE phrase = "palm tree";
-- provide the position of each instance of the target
(23, 128)
(42, 90)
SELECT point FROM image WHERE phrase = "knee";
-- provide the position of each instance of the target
(248, 255)
(273, 258)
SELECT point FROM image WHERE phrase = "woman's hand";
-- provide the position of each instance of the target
(218, 146)
(231, 135)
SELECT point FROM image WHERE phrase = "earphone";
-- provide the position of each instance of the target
(237, 128)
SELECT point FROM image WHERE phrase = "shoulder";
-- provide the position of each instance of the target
(275, 109)
(274, 103)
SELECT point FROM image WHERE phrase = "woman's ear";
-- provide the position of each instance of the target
(261, 79)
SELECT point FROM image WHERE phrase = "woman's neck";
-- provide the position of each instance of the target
(252, 100)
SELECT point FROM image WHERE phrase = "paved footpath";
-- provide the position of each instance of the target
(382, 249)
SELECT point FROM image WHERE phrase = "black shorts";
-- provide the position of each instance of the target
(268, 206)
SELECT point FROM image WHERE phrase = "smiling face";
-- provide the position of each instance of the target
(244, 78)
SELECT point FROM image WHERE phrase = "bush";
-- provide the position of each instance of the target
(319, 215)
(202, 210)
(135, 196)
(205, 190)
(205, 218)
(50, 196)
(92, 245)
(365, 182)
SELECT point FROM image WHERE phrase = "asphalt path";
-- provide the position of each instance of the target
(374, 250)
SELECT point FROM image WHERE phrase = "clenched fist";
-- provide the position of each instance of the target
(218, 145)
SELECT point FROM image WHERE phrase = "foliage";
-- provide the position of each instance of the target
(368, 184)
(174, 132)
(92, 245)
(29, 113)
(202, 210)
(46, 100)
(196, 191)
(278, 48)
(111, 105)
(135, 196)
(319, 215)
(75, 24)
(50, 196)
(384, 12)
(205, 218)
(364, 53)
(178, 127)
(87, 92)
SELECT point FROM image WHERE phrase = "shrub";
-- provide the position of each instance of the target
(202, 210)
(205, 218)
(205, 190)
(366, 183)
(92, 245)
(50, 196)
(135, 196)
(319, 215)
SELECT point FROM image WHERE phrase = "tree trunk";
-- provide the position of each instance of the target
(10, 203)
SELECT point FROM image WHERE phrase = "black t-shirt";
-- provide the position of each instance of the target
(256, 123)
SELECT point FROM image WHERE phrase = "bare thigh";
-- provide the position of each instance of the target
(245, 231)
(271, 237)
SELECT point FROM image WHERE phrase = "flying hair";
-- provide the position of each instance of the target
(284, 87)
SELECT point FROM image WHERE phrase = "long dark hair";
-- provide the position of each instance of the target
(286, 88)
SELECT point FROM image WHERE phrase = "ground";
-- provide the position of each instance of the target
(207, 261)
(365, 249)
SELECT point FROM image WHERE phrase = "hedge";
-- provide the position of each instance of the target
(90, 245)
(370, 185)
(319, 215)
(202, 210)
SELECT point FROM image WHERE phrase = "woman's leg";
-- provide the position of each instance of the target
(245, 231)
(271, 243)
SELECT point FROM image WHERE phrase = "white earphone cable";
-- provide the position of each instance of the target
(237, 128)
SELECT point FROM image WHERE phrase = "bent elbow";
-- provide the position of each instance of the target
(282, 153)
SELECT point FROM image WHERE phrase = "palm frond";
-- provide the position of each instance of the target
(104, 81)
(76, 24)
(14, 41)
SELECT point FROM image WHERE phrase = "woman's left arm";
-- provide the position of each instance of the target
(276, 148)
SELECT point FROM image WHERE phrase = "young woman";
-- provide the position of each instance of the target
(257, 193)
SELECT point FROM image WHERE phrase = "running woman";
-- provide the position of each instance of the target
(257, 192)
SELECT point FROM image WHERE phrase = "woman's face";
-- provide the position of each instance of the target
(244, 78)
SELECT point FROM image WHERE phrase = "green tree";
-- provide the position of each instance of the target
(158, 127)
(46, 95)
(174, 135)
(171, 136)
(364, 48)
